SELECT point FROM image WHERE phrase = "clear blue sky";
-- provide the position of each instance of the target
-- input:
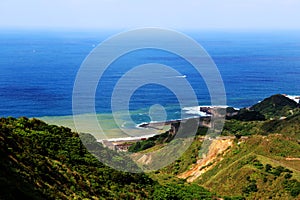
(175, 14)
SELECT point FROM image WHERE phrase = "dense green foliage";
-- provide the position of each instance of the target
(160, 139)
(53, 162)
(150, 142)
(241, 128)
(40, 161)
(275, 106)
(248, 115)
(182, 191)
(289, 126)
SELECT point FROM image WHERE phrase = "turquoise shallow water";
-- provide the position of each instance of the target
(109, 128)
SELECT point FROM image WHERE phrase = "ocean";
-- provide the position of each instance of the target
(38, 70)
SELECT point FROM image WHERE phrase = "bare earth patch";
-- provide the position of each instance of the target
(298, 159)
(217, 147)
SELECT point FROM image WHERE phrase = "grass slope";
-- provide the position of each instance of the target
(289, 126)
(275, 106)
(242, 172)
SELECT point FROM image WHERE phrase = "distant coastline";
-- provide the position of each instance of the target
(153, 128)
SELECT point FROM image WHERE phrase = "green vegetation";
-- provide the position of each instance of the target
(189, 157)
(275, 106)
(257, 168)
(241, 128)
(159, 140)
(150, 142)
(48, 162)
(289, 126)
(248, 115)
(40, 161)
(182, 191)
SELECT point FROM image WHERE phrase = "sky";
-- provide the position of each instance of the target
(174, 14)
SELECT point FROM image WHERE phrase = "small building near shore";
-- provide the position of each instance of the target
(108, 144)
(123, 147)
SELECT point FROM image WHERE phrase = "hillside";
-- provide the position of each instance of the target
(40, 161)
(289, 126)
(47, 162)
(253, 159)
(257, 168)
(275, 106)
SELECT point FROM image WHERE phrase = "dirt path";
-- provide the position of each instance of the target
(298, 159)
(217, 147)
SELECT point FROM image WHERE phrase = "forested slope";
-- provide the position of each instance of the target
(40, 161)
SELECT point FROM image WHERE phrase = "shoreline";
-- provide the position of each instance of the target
(145, 125)
(157, 127)
(201, 112)
(150, 125)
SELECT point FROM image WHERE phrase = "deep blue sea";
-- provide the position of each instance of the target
(38, 70)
